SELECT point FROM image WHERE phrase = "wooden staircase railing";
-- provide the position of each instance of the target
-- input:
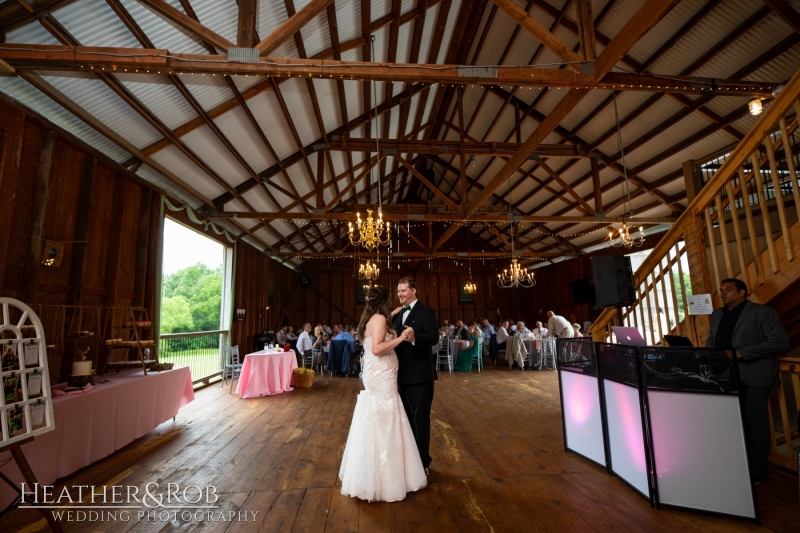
(742, 224)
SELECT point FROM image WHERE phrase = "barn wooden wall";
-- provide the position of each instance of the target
(251, 293)
(53, 186)
(331, 294)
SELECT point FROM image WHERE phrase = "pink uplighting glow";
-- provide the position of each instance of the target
(626, 440)
(581, 400)
(583, 424)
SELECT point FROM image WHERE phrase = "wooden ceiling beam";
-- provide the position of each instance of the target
(542, 34)
(150, 61)
(785, 11)
(246, 29)
(433, 188)
(13, 15)
(187, 23)
(389, 214)
(291, 26)
(390, 146)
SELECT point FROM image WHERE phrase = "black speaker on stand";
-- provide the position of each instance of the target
(613, 282)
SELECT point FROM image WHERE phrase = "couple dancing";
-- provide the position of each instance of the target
(386, 455)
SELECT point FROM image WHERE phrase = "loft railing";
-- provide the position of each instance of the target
(743, 223)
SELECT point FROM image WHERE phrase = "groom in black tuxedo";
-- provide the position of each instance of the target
(417, 363)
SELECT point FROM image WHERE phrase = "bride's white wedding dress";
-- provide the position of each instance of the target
(381, 461)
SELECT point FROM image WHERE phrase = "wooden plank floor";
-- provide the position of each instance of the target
(498, 465)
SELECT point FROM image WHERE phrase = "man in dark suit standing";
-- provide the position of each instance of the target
(755, 333)
(417, 363)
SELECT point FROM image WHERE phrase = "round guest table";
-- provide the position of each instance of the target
(266, 373)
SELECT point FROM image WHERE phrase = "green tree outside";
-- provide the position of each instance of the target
(192, 300)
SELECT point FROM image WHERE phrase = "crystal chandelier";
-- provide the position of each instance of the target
(516, 276)
(369, 233)
(624, 237)
(369, 271)
(469, 287)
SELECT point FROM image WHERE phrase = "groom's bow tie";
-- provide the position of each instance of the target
(407, 308)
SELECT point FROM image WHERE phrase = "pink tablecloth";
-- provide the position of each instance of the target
(266, 373)
(91, 426)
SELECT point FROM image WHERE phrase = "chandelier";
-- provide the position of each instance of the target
(624, 237)
(369, 233)
(516, 276)
(470, 287)
(624, 233)
(369, 271)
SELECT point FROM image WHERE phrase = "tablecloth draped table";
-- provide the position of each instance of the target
(266, 373)
(94, 425)
(456, 346)
(534, 347)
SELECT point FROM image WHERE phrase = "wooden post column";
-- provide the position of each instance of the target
(699, 271)
(82, 229)
(41, 192)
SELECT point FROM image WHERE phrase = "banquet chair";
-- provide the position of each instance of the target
(548, 352)
(227, 369)
(308, 360)
(339, 352)
(236, 366)
(478, 360)
(318, 360)
(516, 352)
(445, 354)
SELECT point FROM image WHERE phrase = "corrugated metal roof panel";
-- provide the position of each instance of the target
(33, 33)
(83, 18)
(240, 132)
(162, 33)
(298, 103)
(209, 91)
(455, 7)
(27, 94)
(221, 16)
(160, 97)
(767, 33)
(155, 177)
(207, 146)
(173, 160)
(698, 150)
(101, 102)
(348, 18)
(712, 29)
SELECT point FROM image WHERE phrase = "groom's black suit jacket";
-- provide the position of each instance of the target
(417, 363)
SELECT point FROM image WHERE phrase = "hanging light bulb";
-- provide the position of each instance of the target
(755, 106)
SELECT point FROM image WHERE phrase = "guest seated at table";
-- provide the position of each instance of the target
(468, 354)
(488, 331)
(291, 335)
(577, 328)
(540, 331)
(280, 336)
(304, 345)
(448, 328)
(502, 335)
(522, 331)
(326, 328)
(320, 340)
(462, 331)
(336, 331)
(346, 335)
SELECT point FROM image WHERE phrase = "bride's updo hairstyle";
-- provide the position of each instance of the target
(377, 299)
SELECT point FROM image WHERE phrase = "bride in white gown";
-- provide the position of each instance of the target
(380, 461)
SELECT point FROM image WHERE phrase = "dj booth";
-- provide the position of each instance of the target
(666, 421)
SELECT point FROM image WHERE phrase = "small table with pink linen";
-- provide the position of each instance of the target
(266, 373)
